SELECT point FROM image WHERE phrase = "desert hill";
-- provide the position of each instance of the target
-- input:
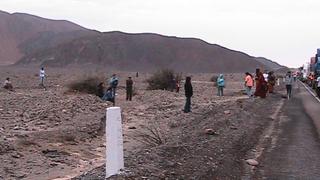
(17, 29)
(144, 52)
(31, 40)
(269, 63)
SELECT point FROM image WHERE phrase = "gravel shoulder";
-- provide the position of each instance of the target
(294, 150)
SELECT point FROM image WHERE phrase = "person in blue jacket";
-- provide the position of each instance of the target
(220, 84)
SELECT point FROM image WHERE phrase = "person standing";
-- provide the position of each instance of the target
(188, 93)
(220, 83)
(113, 85)
(129, 88)
(248, 83)
(289, 82)
(271, 82)
(177, 86)
(42, 76)
(318, 86)
(261, 85)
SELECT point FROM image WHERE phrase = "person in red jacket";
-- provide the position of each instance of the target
(261, 85)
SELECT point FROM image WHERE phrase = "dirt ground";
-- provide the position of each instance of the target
(51, 134)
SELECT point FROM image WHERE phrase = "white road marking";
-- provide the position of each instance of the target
(310, 91)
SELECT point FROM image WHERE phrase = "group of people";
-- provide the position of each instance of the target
(8, 85)
(264, 83)
(110, 93)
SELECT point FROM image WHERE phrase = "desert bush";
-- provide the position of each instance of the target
(151, 135)
(163, 80)
(86, 85)
(214, 78)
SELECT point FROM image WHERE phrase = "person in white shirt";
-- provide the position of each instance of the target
(42, 75)
(7, 84)
(289, 82)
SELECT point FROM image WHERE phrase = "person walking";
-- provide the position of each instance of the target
(261, 85)
(220, 84)
(113, 82)
(129, 88)
(188, 93)
(248, 83)
(289, 81)
(42, 76)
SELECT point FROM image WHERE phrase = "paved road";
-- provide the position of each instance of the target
(296, 151)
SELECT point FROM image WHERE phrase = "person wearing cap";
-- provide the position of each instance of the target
(129, 88)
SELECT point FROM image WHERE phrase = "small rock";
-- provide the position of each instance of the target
(17, 156)
(227, 112)
(16, 128)
(210, 132)
(252, 162)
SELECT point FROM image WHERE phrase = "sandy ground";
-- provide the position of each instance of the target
(51, 134)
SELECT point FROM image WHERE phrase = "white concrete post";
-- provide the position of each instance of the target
(114, 145)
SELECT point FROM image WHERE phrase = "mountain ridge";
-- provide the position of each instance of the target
(16, 28)
(27, 39)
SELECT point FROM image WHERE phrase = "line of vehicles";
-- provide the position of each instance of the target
(310, 71)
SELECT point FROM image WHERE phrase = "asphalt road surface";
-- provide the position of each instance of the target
(295, 153)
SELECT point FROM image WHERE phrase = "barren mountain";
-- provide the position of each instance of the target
(144, 52)
(269, 63)
(16, 29)
(30, 40)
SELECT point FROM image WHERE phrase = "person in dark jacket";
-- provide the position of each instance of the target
(188, 92)
(129, 88)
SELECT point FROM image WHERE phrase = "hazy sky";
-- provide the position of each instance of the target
(286, 31)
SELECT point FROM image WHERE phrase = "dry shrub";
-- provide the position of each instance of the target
(214, 78)
(151, 135)
(163, 80)
(86, 85)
